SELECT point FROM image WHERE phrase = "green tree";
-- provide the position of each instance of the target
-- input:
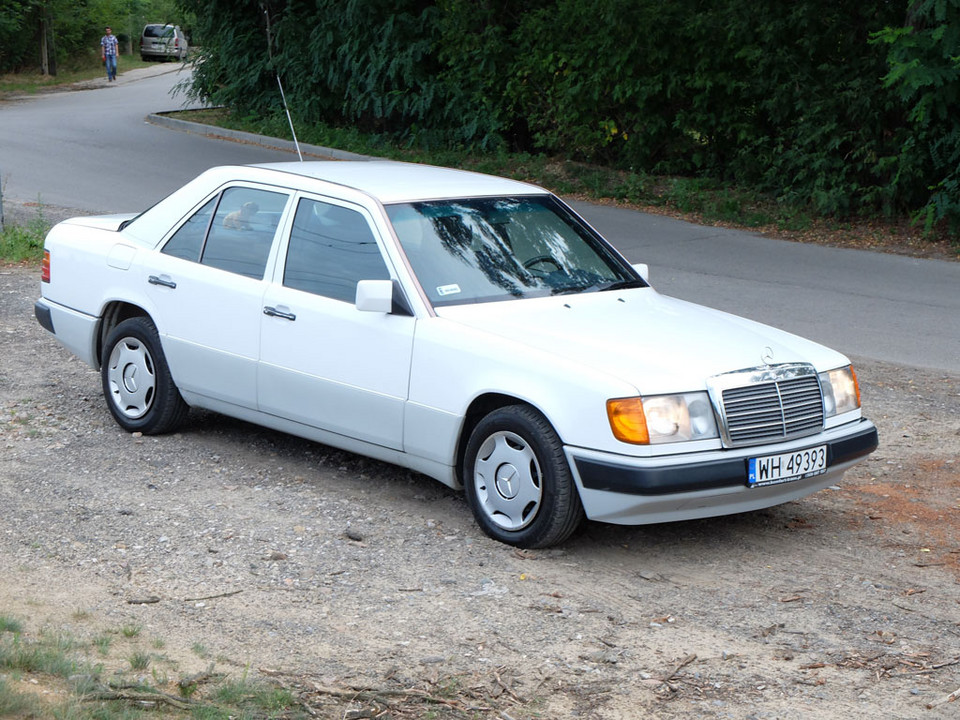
(787, 96)
(72, 29)
(924, 60)
(604, 80)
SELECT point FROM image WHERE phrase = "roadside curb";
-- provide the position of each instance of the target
(211, 131)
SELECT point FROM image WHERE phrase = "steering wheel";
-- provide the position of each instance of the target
(540, 260)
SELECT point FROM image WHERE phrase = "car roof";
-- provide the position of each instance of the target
(396, 182)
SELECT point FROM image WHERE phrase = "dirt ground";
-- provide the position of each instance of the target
(327, 572)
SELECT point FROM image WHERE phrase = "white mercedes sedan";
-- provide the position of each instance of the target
(468, 327)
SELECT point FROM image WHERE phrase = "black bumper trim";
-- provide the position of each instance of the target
(612, 477)
(44, 317)
(863, 443)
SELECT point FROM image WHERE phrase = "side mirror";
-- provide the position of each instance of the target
(643, 270)
(375, 296)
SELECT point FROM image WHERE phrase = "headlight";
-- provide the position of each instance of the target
(662, 418)
(841, 392)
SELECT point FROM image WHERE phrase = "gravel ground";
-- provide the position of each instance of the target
(329, 572)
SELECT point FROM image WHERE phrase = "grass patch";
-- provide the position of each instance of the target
(30, 83)
(24, 243)
(20, 656)
(131, 630)
(140, 661)
(15, 704)
(10, 624)
(102, 643)
(249, 694)
(199, 650)
(49, 675)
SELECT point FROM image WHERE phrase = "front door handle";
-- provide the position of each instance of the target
(164, 282)
(273, 312)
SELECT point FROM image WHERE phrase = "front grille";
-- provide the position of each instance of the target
(771, 411)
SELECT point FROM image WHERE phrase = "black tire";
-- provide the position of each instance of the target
(136, 380)
(517, 479)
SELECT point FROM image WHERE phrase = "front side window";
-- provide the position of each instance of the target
(331, 249)
(488, 249)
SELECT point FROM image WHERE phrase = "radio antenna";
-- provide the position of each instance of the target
(283, 96)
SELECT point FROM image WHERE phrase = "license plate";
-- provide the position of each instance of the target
(787, 467)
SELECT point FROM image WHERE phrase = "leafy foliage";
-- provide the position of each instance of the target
(368, 63)
(597, 81)
(845, 108)
(924, 59)
(72, 29)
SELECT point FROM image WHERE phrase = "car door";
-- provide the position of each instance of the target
(207, 285)
(323, 362)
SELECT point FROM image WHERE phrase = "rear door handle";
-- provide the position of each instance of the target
(164, 282)
(273, 312)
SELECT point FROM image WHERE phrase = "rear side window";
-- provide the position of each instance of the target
(242, 231)
(331, 249)
(233, 231)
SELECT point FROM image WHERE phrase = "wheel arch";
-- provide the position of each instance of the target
(480, 407)
(113, 314)
(538, 504)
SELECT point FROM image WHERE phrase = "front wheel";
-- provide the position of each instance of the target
(136, 380)
(517, 479)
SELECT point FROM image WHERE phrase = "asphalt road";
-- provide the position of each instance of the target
(93, 150)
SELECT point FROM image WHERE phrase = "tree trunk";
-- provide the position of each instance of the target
(44, 65)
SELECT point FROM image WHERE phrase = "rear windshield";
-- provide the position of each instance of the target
(158, 31)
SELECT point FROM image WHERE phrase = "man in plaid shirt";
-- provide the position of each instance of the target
(109, 49)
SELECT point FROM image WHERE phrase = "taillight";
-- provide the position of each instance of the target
(45, 267)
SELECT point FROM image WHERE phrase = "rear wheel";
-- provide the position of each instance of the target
(136, 380)
(517, 479)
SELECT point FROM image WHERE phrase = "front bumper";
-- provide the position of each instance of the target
(634, 491)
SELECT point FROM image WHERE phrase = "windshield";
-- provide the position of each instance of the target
(489, 249)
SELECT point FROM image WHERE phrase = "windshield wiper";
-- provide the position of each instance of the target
(597, 287)
(621, 285)
(569, 289)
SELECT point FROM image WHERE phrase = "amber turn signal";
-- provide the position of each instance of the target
(627, 420)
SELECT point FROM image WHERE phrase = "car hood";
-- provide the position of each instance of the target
(656, 343)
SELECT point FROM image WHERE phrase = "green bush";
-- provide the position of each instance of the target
(924, 60)
(836, 107)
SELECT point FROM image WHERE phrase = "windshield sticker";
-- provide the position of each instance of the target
(448, 290)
